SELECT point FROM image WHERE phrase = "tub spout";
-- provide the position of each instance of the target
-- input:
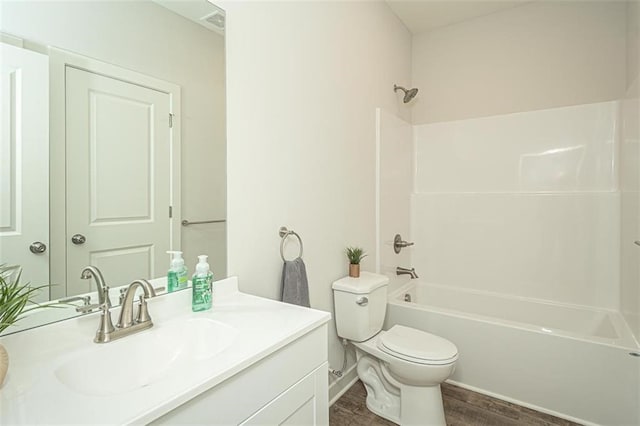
(406, 271)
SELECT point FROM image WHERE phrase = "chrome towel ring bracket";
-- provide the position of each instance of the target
(284, 233)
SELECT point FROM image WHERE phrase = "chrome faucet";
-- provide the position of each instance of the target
(126, 310)
(406, 271)
(103, 289)
(126, 323)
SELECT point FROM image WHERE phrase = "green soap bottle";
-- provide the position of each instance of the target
(177, 278)
(202, 286)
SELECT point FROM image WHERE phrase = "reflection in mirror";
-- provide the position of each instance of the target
(113, 122)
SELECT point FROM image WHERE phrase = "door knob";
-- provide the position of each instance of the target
(37, 247)
(78, 239)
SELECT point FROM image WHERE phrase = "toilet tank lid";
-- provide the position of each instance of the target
(366, 283)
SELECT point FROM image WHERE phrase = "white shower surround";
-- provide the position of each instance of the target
(525, 204)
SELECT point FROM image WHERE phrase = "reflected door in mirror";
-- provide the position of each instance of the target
(24, 160)
(119, 189)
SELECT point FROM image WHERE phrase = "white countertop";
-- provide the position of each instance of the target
(33, 395)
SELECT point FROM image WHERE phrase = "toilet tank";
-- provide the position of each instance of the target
(360, 305)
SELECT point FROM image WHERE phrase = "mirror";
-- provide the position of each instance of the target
(113, 119)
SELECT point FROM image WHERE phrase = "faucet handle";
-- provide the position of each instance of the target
(105, 327)
(86, 300)
(399, 243)
(85, 309)
(143, 310)
(105, 291)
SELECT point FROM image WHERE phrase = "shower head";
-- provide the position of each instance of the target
(408, 94)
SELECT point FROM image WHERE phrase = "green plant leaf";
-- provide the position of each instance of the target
(355, 255)
(15, 298)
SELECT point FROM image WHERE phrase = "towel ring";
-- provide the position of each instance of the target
(284, 233)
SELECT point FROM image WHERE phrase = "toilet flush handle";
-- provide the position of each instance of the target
(362, 301)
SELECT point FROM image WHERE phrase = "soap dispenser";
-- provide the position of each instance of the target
(202, 283)
(177, 278)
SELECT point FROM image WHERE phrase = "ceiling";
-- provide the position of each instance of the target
(420, 16)
(202, 13)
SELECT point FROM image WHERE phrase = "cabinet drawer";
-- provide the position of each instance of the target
(301, 404)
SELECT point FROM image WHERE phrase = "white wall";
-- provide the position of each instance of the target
(142, 36)
(630, 177)
(536, 56)
(304, 81)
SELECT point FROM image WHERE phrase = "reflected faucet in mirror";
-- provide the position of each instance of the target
(87, 273)
(86, 300)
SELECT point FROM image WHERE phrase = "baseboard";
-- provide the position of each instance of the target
(521, 403)
(343, 384)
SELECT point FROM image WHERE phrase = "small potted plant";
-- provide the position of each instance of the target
(16, 299)
(355, 256)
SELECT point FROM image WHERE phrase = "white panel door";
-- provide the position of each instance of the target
(24, 160)
(118, 187)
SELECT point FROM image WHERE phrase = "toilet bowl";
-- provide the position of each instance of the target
(402, 382)
(401, 368)
(415, 357)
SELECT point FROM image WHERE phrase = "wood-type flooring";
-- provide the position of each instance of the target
(462, 407)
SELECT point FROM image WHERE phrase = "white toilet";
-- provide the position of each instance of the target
(401, 368)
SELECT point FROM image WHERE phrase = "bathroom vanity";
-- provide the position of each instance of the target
(249, 360)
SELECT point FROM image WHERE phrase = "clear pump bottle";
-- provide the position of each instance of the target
(202, 282)
(177, 277)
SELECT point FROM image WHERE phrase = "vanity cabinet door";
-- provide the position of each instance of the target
(304, 403)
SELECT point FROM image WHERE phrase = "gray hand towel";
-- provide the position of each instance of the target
(295, 287)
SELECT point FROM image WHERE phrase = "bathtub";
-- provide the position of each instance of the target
(570, 361)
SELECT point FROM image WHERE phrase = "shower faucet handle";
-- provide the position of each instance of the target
(399, 243)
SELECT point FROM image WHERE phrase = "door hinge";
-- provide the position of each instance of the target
(170, 211)
(170, 120)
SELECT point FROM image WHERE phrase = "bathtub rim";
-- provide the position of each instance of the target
(626, 337)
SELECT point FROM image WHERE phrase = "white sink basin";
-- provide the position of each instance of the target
(141, 359)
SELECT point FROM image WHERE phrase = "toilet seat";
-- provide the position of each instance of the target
(417, 346)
